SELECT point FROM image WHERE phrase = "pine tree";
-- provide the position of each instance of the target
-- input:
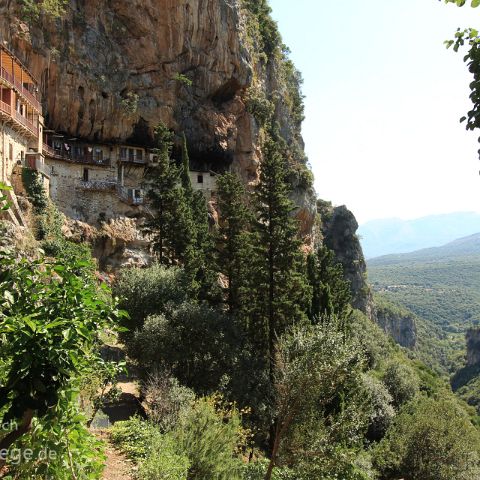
(171, 226)
(330, 291)
(233, 239)
(280, 277)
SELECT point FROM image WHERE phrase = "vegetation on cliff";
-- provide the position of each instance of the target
(252, 360)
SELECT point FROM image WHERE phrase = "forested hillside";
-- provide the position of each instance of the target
(442, 286)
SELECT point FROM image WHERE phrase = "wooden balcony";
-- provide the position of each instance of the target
(15, 75)
(69, 156)
(19, 120)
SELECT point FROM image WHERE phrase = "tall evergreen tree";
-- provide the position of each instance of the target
(280, 277)
(185, 176)
(171, 224)
(331, 294)
(233, 239)
(200, 264)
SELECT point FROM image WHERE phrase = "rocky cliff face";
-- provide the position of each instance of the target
(399, 324)
(339, 228)
(473, 347)
(111, 71)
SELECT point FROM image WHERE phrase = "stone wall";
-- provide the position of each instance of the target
(93, 201)
(13, 147)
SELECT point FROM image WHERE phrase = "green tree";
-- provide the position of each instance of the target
(401, 381)
(278, 286)
(171, 224)
(200, 262)
(430, 440)
(148, 291)
(331, 293)
(233, 239)
(319, 404)
(470, 37)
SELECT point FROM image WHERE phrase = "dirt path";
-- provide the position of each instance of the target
(117, 467)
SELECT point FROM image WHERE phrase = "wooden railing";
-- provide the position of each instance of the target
(70, 156)
(26, 123)
(5, 107)
(133, 159)
(19, 118)
(17, 85)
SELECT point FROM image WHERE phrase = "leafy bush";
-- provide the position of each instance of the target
(196, 342)
(166, 400)
(430, 440)
(211, 436)
(51, 313)
(135, 437)
(381, 401)
(32, 9)
(149, 291)
(164, 463)
(259, 106)
(401, 381)
(36, 193)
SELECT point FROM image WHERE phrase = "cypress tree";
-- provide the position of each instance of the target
(331, 294)
(280, 278)
(233, 239)
(171, 224)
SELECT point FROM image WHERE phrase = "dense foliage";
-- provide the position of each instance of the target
(50, 316)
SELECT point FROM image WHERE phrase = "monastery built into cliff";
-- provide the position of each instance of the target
(87, 181)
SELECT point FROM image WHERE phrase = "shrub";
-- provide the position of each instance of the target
(381, 401)
(166, 400)
(401, 381)
(211, 435)
(149, 291)
(430, 440)
(164, 462)
(135, 437)
(196, 342)
(35, 191)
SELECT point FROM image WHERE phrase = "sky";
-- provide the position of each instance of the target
(383, 102)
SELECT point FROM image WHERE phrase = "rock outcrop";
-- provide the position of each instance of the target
(400, 324)
(339, 228)
(473, 347)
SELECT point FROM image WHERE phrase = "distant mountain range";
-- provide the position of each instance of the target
(461, 248)
(383, 237)
(441, 285)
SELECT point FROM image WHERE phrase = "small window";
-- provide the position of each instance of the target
(200, 179)
(139, 155)
(131, 154)
(137, 193)
(85, 174)
(123, 153)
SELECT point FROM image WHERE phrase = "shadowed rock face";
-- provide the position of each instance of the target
(339, 231)
(473, 347)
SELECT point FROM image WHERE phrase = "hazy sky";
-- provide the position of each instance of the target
(383, 102)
